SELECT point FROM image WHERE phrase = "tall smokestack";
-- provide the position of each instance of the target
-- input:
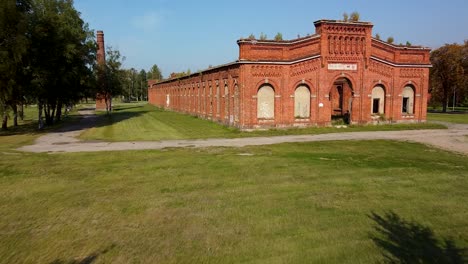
(101, 53)
(101, 60)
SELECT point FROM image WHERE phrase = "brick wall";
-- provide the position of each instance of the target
(339, 54)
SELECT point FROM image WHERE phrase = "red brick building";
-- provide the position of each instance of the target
(339, 71)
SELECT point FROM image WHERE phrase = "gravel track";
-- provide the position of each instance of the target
(455, 139)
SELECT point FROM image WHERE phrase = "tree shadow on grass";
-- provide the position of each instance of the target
(75, 122)
(86, 260)
(404, 241)
(89, 121)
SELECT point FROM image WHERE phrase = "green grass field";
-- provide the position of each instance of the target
(288, 203)
(460, 118)
(285, 203)
(146, 122)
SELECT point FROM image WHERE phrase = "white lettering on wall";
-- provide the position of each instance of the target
(342, 67)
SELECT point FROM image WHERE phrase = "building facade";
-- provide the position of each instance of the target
(339, 72)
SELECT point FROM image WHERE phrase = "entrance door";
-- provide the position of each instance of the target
(341, 97)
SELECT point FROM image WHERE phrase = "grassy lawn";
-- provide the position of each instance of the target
(146, 122)
(452, 117)
(287, 203)
(29, 124)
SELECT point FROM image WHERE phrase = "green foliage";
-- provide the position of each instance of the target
(46, 56)
(390, 40)
(377, 36)
(251, 36)
(345, 17)
(112, 77)
(408, 44)
(263, 36)
(449, 74)
(154, 73)
(354, 17)
(14, 45)
(279, 37)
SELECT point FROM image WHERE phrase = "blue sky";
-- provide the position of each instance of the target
(180, 34)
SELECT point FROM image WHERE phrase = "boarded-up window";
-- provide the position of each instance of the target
(302, 102)
(218, 102)
(226, 102)
(236, 103)
(266, 102)
(408, 100)
(211, 100)
(378, 100)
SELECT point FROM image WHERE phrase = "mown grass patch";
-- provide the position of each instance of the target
(451, 117)
(286, 203)
(146, 122)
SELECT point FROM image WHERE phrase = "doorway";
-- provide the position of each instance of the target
(341, 99)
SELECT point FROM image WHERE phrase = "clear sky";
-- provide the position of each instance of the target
(192, 34)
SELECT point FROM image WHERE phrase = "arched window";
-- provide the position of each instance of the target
(266, 102)
(407, 106)
(378, 100)
(226, 102)
(302, 102)
(236, 103)
(218, 101)
(211, 100)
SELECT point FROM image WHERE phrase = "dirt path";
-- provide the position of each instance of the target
(455, 138)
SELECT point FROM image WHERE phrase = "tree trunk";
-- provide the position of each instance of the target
(15, 114)
(107, 105)
(58, 115)
(444, 103)
(5, 120)
(108, 100)
(52, 115)
(21, 112)
(39, 116)
(47, 114)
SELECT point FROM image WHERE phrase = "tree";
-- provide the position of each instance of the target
(447, 73)
(154, 73)
(263, 36)
(377, 36)
(345, 17)
(113, 77)
(142, 81)
(390, 40)
(62, 55)
(14, 43)
(251, 36)
(279, 37)
(408, 44)
(354, 17)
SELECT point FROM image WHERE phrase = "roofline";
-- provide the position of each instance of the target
(280, 42)
(279, 62)
(402, 65)
(240, 62)
(401, 47)
(331, 21)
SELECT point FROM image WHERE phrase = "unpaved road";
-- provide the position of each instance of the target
(455, 138)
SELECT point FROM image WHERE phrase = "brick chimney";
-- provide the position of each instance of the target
(101, 60)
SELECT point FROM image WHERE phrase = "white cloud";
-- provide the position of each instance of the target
(149, 21)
